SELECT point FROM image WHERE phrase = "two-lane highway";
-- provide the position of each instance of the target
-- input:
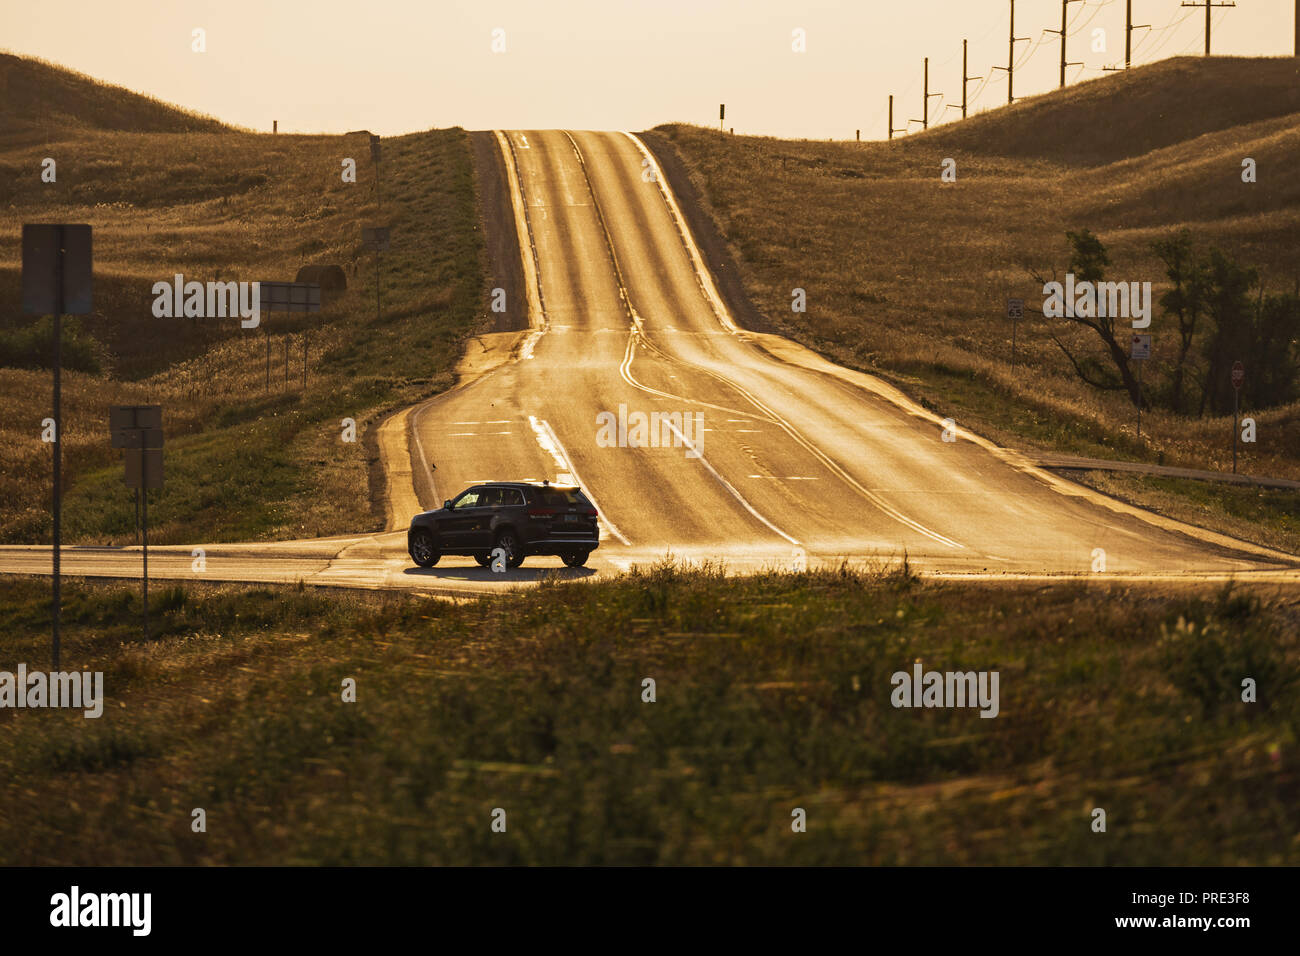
(791, 458)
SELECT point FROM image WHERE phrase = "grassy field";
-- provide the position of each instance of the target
(773, 693)
(907, 276)
(242, 462)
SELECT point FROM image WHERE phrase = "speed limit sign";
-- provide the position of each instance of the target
(1238, 374)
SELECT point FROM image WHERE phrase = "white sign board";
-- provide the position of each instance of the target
(1141, 348)
(1015, 308)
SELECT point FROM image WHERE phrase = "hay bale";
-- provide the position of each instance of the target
(331, 279)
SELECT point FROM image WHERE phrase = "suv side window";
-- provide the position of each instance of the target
(470, 499)
(491, 498)
(512, 498)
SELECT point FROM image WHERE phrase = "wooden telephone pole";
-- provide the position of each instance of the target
(1065, 6)
(1209, 6)
(1129, 27)
(1011, 56)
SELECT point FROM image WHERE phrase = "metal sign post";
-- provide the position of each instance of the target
(139, 427)
(1238, 379)
(57, 268)
(378, 238)
(374, 158)
(288, 297)
(1139, 352)
(1015, 312)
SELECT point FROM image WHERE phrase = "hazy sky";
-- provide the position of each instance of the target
(394, 66)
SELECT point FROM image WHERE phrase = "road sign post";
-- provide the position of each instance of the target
(139, 428)
(1238, 379)
(1139, 352)
(378, 238)
(57, 270)
(288, 297)
(1015, 312)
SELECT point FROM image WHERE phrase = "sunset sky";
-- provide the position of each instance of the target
(394, 66)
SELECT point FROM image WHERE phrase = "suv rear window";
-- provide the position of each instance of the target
(562, 498)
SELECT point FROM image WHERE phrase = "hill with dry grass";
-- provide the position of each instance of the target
(168, 193)
(907, 276)
(37, 97)
(1131, 113)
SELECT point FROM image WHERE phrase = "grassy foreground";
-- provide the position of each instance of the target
(773, 692)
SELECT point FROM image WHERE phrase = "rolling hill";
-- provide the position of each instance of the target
(39, 97)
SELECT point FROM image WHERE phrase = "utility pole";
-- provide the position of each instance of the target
(1065, 6)
(892, 131)
(1209, 6)
(1128, 35)
(966, 79)
(1011, 56)
(926, 96)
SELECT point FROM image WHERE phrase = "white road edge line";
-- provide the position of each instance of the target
(532, 284)
(550, 443)
(699, 456)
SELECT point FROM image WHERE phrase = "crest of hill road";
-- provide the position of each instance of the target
(168, 191)
(908, 276)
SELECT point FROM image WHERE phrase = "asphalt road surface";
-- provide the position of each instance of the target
(798, 462)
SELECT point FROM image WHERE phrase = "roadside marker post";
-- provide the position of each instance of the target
(378, 238)
(1238, 379)
(1139, 352)
(139, 427)
(1015, 312)
(375, 152)
(57, 279)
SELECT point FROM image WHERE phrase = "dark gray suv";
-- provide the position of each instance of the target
(519, 517)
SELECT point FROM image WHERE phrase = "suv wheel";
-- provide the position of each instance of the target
(424, 549)
(483, 560)
(576, 559)
(508, 542)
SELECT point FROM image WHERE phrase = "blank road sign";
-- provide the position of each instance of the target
(124, 419)
(1141, 350)
(56, 269)
(148, 438)
(290, 296)
(153, 469)
(1238, 374)
(377, 237)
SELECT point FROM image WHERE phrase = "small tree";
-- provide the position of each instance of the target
(1088, 262)
(1185, 302)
